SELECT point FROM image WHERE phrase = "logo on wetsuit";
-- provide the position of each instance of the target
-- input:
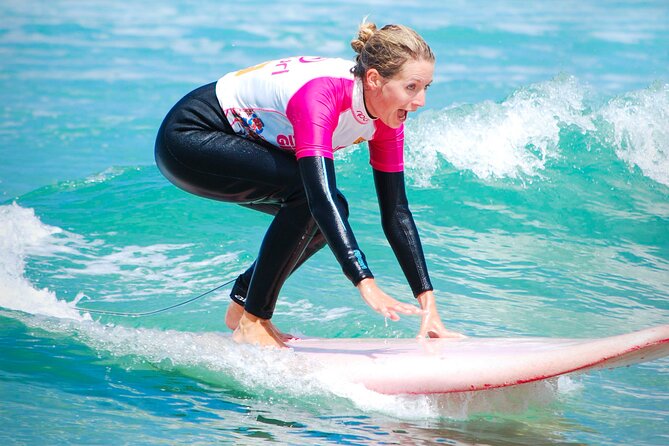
(358, 256)
(239, 298)
(283, 66)
(286, 141)
(361, 117)
(254, 124)
(246, 122)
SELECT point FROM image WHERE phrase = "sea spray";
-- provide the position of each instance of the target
(636, 124)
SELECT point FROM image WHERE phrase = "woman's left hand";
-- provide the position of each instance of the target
(431, 325)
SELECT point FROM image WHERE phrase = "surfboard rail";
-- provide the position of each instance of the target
(427, 366)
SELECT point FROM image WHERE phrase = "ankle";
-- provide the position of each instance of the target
(248, 317)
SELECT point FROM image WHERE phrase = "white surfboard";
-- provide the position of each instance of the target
(413, 366)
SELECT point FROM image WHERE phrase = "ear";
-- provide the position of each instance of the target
(373, 78)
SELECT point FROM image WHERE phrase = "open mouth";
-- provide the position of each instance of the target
(402, 115)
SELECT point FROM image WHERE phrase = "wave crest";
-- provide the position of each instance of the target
(496, 140)
(635, 124)
(518, 137)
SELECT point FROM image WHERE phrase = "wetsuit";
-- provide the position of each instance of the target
(264, 137)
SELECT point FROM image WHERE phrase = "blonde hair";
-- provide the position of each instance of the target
(387, 49)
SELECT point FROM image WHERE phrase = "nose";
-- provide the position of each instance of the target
(419, 99)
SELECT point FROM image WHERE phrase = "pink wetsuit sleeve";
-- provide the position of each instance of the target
(386, 148)
(314, 113)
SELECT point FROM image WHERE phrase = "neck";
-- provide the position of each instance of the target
(364, 100)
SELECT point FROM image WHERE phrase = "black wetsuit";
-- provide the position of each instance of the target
(197, 150)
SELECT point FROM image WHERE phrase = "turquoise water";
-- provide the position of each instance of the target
(538, 176)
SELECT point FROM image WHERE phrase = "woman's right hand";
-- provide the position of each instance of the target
(383, 304)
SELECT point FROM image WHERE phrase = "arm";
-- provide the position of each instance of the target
(402, 234)
(318, 176)
(400, 229)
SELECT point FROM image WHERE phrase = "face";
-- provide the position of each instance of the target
(392, 99)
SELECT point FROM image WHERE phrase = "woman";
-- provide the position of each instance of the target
(263, 137)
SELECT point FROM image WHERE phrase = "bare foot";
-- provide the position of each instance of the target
(285, 337)
(253, 330)
(233, 315)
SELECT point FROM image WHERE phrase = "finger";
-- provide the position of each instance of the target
(432, 330)
(388, 313)
(408, 309)
(393, 316)
(412, 309)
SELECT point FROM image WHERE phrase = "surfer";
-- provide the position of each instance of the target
(263, 137)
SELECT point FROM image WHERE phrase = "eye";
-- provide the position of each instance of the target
(411, 87)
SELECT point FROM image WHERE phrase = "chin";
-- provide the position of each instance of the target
(393, 124)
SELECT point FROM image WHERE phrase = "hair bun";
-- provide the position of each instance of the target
(365, 31)
(387, 49)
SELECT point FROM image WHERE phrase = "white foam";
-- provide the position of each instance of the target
(146, 270)
(21, 231)
(151, 270)
(513, 139)
(639, 130)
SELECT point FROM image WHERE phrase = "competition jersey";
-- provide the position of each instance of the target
(310, 105)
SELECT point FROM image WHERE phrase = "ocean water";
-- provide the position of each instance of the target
(538, 175)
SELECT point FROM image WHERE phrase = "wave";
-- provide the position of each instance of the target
(207, 356)
(520, 136)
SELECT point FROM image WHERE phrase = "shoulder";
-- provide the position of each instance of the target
(318, 74)
(323, 93)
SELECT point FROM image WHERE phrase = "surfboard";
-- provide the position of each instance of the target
(429, 366)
